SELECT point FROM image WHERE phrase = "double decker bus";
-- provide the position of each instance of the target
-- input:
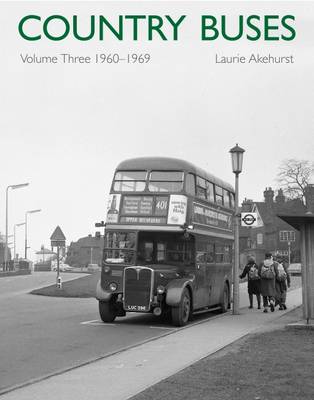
(168, 241)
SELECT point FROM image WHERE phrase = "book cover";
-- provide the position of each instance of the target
(86, 85)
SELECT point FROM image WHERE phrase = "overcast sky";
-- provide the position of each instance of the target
(64, 128)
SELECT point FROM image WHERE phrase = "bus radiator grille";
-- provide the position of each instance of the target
(137, 289)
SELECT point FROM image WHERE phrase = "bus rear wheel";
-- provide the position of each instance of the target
(225, 299)
(107, 311)
(181, 313)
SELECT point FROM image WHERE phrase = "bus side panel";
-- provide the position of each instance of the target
(220, 273)
(202, 290)
(210, 279)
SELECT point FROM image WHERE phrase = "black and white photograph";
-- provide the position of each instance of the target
(157, 200)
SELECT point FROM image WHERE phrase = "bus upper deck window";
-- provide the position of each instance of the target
(190, 184)
(232, 200)
(129, 181)
(219, 195)
(226, 198)
(165, 181)
(200, 187)
(210, 191)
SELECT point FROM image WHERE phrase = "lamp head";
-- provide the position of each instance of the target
(33, 211)
(20, 185)
(237, 159)
(22, 223)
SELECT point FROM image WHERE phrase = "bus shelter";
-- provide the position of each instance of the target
(305, 224)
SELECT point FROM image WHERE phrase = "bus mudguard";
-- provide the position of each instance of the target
(174, 290)
(101, 294)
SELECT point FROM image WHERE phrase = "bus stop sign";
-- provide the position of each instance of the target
(57, 238)
(248, 219)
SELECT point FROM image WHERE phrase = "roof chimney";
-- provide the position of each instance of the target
(247, 205)
(269, 196)
(280, 198)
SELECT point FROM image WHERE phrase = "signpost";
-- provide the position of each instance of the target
(58, 240)
(288, 237)
(249, 219)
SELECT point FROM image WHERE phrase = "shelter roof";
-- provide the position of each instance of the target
(296, 221)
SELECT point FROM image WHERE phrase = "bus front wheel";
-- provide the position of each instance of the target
(181, 313)
(107, 311)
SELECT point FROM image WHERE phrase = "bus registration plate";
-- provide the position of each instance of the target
(135, 308)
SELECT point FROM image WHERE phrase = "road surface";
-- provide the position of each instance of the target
(42, 335)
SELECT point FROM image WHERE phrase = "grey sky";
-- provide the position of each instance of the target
(64, 128)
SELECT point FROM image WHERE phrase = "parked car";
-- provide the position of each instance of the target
(62, 268)
(93, 268)
(295, 269)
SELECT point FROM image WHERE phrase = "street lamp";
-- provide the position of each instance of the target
(15, 225)
(237, 161)
(13, 187)
(28, 212)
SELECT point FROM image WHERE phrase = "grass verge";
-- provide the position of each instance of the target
(80, 287)
(272, 365)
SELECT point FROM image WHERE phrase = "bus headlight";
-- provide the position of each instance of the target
(160, 289)
(113, 286)
(106, 269)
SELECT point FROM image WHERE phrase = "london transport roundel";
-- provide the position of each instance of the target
(248, 219)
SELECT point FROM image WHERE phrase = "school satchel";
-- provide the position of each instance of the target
(268, 272)
(282, 275)
(253, 273)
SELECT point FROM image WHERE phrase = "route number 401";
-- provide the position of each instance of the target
(162, 204)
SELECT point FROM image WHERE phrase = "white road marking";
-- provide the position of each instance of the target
(97, 322)
(89, 322)
(162, 327)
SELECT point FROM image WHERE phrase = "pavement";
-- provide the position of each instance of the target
(127, 373)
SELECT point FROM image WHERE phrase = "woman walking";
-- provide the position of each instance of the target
(268, 272)
(253, 281)
(282, 284)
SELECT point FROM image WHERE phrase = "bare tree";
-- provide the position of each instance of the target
(293, 176)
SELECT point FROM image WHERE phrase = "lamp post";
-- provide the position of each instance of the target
(28, 212)
(15, 225)
(13, 187)
(237, 161)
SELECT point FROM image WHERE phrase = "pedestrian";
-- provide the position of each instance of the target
(268, 271)
(282, 284)
(253, 281)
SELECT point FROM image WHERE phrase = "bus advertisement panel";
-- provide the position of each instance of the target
(211, 217)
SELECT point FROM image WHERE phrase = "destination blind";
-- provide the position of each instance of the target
(145, 205)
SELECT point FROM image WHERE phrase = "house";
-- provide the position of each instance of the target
(87, 250)
(2, 251)
(43, 259)
(272, 234)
